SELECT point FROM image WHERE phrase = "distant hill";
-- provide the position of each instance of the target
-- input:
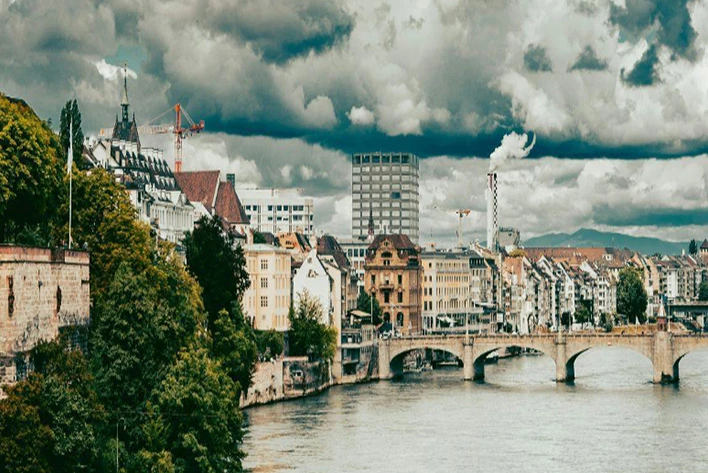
(593, 238)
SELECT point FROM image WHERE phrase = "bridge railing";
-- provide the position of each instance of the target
(545, 336)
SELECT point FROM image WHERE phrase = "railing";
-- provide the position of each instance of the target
(498, 336)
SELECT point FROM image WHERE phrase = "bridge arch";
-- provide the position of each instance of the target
(579, 344)
(484, 347)
(392, 351)
(687, 346)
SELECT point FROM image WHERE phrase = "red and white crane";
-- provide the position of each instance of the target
(176, 128)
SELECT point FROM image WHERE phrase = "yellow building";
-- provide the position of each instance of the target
(267, 300)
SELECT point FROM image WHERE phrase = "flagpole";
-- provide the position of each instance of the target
(70, 161)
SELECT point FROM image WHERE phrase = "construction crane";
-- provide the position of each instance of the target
(461, 213)
(177, 129)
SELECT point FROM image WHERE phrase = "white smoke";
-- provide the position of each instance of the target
(511, 147)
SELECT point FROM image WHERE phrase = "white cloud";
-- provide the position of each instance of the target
(360, 116)
(112, 73)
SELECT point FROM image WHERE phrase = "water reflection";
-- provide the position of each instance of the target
(518, 419)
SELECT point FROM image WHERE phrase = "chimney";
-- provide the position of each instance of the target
(231, 179)
(492, 222)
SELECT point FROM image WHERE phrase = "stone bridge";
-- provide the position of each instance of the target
(663, 349)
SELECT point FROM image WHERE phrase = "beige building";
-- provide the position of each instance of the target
(448, 283)
(393, 274)
(43, 292)
(267, 300)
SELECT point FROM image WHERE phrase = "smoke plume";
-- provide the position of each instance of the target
(511, 147)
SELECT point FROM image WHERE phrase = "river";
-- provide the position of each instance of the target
(612, 419)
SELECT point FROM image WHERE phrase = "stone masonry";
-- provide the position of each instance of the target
(42, 291)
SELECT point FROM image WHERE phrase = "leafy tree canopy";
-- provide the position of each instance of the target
(631, 295)
(71, 114)
(218, 264)
(703, 291)
(308, 336)
(364, 303)
(32, 171)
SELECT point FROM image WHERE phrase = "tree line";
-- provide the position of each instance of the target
(169, 350)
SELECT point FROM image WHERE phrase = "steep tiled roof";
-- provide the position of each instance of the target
(199, 186)
(228, 206)
(126, 131)
(400, 241)
(328, 245)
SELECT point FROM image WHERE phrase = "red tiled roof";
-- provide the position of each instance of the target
(228, 206)
(199, 186)
(399, 241)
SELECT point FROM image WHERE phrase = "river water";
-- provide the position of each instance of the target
(612, 419)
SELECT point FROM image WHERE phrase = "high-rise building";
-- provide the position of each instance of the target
(385, 196)
(279, 210)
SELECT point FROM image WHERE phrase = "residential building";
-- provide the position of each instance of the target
(385, 194)
(151, 185)
(279, 210)
(313, 278)
(211, 196)
(394, 276)
(356, 254)
(328, 249)
(43, 292)
(451, 288)
(266, 302)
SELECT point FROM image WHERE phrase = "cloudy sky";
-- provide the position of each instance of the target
(616, 92)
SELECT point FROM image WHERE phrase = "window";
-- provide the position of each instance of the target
(270, 208)
(395, 195)
(400, 297)
(264, 264)
(387, 297)
(373, 279)
(264, 301)
(264, 283)
(375, 159)
(357, 159)
(400, 279)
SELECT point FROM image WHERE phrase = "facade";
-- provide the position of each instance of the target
(43, 292)
(279, 211)
(329, 250)
(151, 185)
(266, 302)
(211, 196)
(313, 277)
(385, 194)
(452, 288)
(356, 254)
(394, 276)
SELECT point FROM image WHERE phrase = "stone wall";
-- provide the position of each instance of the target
(286, 378)
(266, 384)
(41, 292)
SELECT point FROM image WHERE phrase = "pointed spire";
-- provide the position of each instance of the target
(124, 104)
(371, 224)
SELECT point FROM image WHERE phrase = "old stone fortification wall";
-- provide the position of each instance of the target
(41, 291)
(286, 378)
(266, 385)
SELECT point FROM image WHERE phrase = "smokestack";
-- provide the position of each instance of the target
(492, 222)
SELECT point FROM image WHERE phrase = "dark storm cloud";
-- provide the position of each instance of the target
(536, 59)
(645, 71)
(281, 31)
(588, 60)
(671, 17)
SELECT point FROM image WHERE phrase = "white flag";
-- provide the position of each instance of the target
(70, 158)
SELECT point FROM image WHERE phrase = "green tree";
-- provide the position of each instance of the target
(703, 291)
(104, 220)
(32, 170)
(138, 329)
(194, 420)
(71, 113)
(583, 314)
(218, 264)
(631, 295)
(233, 344)
(692, 247)
(364, 302)
(270, 343)
(50, 420)
(308, 336)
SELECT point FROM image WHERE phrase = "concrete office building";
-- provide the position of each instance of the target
(279, 210)
(385, 194)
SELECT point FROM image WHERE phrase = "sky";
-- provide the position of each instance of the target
(614, 92)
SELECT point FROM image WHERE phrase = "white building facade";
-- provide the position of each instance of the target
(279, 210)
